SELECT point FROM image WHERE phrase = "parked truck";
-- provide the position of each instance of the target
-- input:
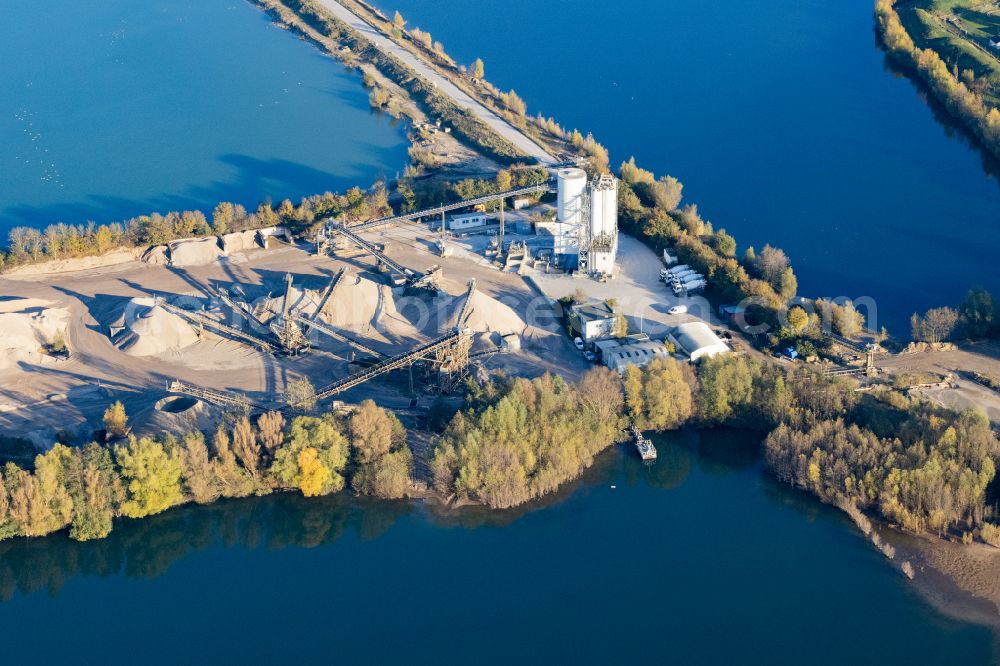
(693, 285)
(683, 275)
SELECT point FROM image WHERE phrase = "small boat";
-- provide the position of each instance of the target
(645, 447)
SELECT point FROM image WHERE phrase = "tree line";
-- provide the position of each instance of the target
(28, 245)
(953, 90)
(977, 318)
(650, 208)
(86, 488)
(918, 466)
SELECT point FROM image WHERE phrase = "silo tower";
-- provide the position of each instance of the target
(603, 224)
(570, 215)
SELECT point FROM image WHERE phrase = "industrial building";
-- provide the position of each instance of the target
(586, 229)
(464, 221)
(696, 340)
(638, 353)
(594, 321)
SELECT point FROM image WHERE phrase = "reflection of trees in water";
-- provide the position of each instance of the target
(604, 471)
(953, 128)
(147, 548)
(727, 450)
(674, 459)
(799, 500)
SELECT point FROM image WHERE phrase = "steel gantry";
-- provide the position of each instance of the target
(438, 210)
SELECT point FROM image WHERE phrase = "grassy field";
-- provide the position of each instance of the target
(960, 32)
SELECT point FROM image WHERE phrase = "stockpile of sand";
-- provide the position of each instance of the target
(487, 314)
(154, 331)
(26, 327)
(300, 301)
(355, 303)
(239, 241)
(491, 316)
(156, 255)
(175, 414)
(195, 252)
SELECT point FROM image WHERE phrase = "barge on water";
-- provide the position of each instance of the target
(645, 447)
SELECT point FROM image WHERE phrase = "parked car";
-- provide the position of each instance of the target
(579, 343)
(678, 309)
(590, 356)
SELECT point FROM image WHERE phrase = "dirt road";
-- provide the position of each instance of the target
(498, 124)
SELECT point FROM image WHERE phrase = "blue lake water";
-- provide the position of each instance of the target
(782, 119)
(699, 559)
(117, 108)
(702, 558)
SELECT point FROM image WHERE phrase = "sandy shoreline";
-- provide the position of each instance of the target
(960, 581)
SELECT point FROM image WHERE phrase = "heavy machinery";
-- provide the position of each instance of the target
(401, 275)
(448, 354)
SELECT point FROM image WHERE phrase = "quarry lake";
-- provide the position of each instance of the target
(121, 108)
(786, 125)
(701, 558)
(781, 117)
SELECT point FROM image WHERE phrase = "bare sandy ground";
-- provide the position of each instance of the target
(40, 398)
(983, 357)
(961, 581)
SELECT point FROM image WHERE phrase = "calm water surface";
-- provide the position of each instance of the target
(117, 108)
(700, 558)
(782, 119)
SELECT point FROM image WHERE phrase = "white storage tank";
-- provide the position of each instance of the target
(572, 183)
(603, 224)
(604, 206)
(572, 186)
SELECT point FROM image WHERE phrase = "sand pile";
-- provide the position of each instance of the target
(195, 252)
(487, 315)
(355, 304)
(156, 255)
(26, 326)
(175, 414)
(154, 331)
(300, 301)
(239, 241)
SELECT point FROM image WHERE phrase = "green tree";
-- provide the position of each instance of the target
(314, 477)
(200, 480)
(788, 285)
(374, 432)
(726, 386)
(94, 485)
(798, 319)
(115, 420)
(724, 244)
(322, 435)
(635, 395)
(8, 526)
(152, 477)
(247, 449)
(233, 479)
(936, 325)
(668, 396)
(978, 314)
(223, 218)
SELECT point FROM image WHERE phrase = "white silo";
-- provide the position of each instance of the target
(603, 224)
(572, 187)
